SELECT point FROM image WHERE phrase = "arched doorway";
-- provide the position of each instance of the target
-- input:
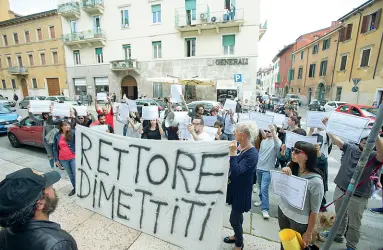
(320, 92)
(24, 87)
(129, 87)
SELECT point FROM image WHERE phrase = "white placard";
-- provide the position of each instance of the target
(211, 131)
(176, 92)
(243, 117)
(115, 105)
(61, 109)
(132, 105)
(291, 188)
(209, 120)
(183, 128)
(150, 112)
(263, 121)
(349, 127)
(101, 128)
(292, 138)
(285, 124)
(39, 106)
(157, 196)
(123, 111)
(230, 105)
(81, 110)
(181, 117)
(314, 119)
(101, 96)
(279, 119)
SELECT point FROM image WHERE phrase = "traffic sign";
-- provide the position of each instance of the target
(355, 89)
(238, 78)
(356, 81)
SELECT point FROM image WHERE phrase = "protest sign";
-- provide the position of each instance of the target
(211, 132)
(81, 110)
(314, 119)
(115, 105)
(183, 129)
(176, 92)
(349, 127)
(61, 109)
(39, 106)
(230, 105)
(291, 188)
(132, 105)
(279, 119)
(292, 138)
(175, 191)
(209, 120)
(101, 96)
(101, 128)
(123, 111)
(150, 112)
(263, 121)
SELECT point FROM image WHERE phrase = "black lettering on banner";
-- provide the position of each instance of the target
(138, 159)
(201, 204)
(100, 156)
(83, 173)
(119, 160)
(159, 157)
(111, 195)
(176, 207)
(83, 155)
(202, 173)
(159, 204)
(94, 190)
(207, 217)
(181, 168)
(144, 192)
(119, 204)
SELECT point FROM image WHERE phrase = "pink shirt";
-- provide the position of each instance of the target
(65, 153)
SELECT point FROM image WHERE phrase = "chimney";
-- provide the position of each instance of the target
(4, 10)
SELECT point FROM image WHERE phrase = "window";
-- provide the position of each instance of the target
(13, 83)
(343, 62)
(34, 83)
(312, 70)
(190, 47)
(348, 32)
(299, 90)
(300, 72)
(156, 13)
(9, 61)
(157, 89)
(365, 57)
(30, 58)
(127, 51)
(291, 74)
(323, 68)
(344, 108)
(326, 44)
(4, 84)
(338, 93)
(99, 55)
(27, 36)
(124, 18)
(52, 32)
(5, 38)
(292, 90)
(39, 34)
(76, 57)
(315, 49)
(157, 50)
(228, 43)
(73, 26)
(371, 22)
(16, 38)
(55, 57)
(20, 60)
(293, 58)
(302, 54)
(42, 57)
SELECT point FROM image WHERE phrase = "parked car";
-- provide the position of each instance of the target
(331, 106)
(25, 102)
(208, 105)
(63, 99)
(26, 132)
(7, 118)
(293, 97)
(369, 112)
(6, 102)
(317, 105)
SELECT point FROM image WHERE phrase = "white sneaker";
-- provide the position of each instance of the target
(257, 203)
(255, 188)
(265, 214)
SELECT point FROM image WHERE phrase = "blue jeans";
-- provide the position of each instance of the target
(263, 179)
(70, 168)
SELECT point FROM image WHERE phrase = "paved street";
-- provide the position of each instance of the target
(83, 224)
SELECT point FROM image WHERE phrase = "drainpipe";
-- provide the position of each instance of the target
(307, 66)
(356, 42)
(333, 71)
(377, 59)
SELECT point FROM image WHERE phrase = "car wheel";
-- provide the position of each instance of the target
(13, 140)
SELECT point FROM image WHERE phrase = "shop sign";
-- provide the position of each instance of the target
(234, 61)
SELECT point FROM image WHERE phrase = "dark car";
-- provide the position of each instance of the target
(208, 105)
(7, 118)
(317, 105)
(25, 102)
(26, 132)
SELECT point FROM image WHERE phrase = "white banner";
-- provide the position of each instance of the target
(314, 119)
(176, 92)
(279, 119)
(175, 191)
(292, 138)
(150, 113)
(209, 120)
(263, 121)
(61, 109)
(39, 106)
(123, 111)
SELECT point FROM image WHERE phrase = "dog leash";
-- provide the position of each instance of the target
(360, 183)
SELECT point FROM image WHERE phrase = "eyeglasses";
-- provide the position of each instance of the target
(200, 109)
(297, 151)
(177, 110)
(196, 124)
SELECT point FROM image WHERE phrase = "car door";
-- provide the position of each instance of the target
(36, 134)
(355, 111)
(24, 132)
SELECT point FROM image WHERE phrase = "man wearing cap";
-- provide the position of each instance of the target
(27, 199)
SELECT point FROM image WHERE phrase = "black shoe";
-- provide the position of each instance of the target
(228, 240)
(72, 192)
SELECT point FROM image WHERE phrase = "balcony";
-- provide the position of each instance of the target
(89, 38)
(93, 7)
(18, 70)
(123, 65)
(203, 19)
(69, 10)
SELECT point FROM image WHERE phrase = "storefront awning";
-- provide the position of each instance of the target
(163, 79)
(226, 84)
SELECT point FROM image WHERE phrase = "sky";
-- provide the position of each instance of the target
(286, 19)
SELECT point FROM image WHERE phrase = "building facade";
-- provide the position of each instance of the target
(116, 46)
(276, 76)
(284, 68)
(266, 80)
(32, 55)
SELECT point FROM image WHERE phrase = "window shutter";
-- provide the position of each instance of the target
(156, 8)
(190, 4)
(228, 40)
(364, 24)
(342, 34)
(377, 19)
(289, 75)
(278, 78)
(156, 43)
(349, 31)
(98, 51)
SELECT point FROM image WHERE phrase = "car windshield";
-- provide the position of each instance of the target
(64, 98)
(41, 97)
(4, 110)
(369, 112)
(294, 96)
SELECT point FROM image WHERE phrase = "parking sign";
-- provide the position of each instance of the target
(238, 78)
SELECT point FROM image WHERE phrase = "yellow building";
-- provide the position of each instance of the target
(360, 56)
(31, 54)
(312, 68)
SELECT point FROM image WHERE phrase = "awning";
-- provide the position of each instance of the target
(163, 79)
(185, 81)
(226, 84)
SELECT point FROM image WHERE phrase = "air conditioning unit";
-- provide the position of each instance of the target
(203, 16)
(213, 19)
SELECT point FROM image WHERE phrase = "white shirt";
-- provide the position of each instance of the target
(203, 137)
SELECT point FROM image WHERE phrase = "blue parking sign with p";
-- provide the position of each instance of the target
(238, 78)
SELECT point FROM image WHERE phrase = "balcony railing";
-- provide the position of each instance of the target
(90, 36)
(69, 9)
(129, 64)
(93, 7)
(18, 70)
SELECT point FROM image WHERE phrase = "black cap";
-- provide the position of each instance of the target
(23, 187)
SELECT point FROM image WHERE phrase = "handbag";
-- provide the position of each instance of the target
(51, 136)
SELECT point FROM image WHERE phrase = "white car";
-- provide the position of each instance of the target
(62, 99)
(331, 106)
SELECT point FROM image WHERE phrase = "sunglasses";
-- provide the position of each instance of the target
(297, 151)
(267, 131)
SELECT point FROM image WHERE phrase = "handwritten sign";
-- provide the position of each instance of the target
(39, 106)
(173, 191)
(132, 105)
(314, 119)
(101, 128)
(291, 188)
(349, 127)
(211, 131)
(123, 111)
(176, 92)
(263, 121)
(230, 105)
(183, 130)
(209, 120)
(279, 119)
(292, 138)
(61, 109)
(101, 96)
(149, 112)
(115, 105)
(81, 110)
